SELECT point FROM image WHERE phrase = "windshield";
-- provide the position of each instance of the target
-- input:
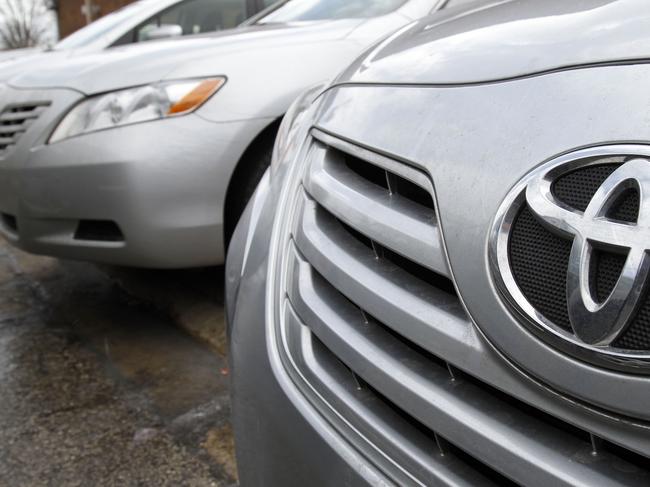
(306, 10)
(103, 26)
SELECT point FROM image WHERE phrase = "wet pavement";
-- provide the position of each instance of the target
(98, 387)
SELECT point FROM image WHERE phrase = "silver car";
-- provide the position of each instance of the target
(443, 278)
(146, 155)
(146, 20)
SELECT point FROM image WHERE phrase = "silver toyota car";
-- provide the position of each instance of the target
(146, 155)
(443, 279)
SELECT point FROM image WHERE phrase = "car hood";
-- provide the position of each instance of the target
(149, 62)
(15, 54)
(508, 40)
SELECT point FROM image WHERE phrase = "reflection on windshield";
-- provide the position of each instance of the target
(305, 10)
(103, 26)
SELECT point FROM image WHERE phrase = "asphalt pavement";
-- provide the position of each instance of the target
(111, 376)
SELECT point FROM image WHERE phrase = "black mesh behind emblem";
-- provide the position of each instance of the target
(606, 267)
(539, 263)
(626, 207)
(539, 258)
(577, 188)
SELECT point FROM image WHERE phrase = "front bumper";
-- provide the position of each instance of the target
(163, 184)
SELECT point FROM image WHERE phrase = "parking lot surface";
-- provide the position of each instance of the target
(101, 386)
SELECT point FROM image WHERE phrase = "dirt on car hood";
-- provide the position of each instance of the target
(507, 40)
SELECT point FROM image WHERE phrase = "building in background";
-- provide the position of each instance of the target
(75, 14)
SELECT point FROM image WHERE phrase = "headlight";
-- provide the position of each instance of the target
(290, 136)
(142, 104)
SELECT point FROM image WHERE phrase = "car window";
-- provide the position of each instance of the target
(198, 16)
(103, 26)
(306, 10)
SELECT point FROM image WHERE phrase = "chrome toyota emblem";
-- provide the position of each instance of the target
(593, 322)
(596, 325)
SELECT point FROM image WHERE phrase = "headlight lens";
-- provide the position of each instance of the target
(142, 104)
(290, 135)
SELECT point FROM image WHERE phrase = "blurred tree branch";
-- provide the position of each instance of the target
(24, 24)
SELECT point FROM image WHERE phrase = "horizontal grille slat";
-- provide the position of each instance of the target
(508, 438)
(421, 312)
(11, 129)
(428, 457)
(397, 221)
(15, 120)
(19, 117)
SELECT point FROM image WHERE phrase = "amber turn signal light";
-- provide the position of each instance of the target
(197, 96)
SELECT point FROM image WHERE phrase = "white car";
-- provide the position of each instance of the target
(146, 20)
(146, 155)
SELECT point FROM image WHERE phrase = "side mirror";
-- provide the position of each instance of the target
(156, 32)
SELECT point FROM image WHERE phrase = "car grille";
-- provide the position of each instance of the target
(377, 337)
(15, 120)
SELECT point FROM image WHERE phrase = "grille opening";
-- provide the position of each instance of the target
(360, 237)
(428, 276)
(525, 408)
(98, 231)
(411, 191)
(437, 444)
(387, 180)
(606, 450)
(18, 115)
(428, 356)
(26, 109)
(370, 172)
(22, 109)
(548, 420)
(639, 461)
(447, 447)
(10, 222)
(6, 140)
